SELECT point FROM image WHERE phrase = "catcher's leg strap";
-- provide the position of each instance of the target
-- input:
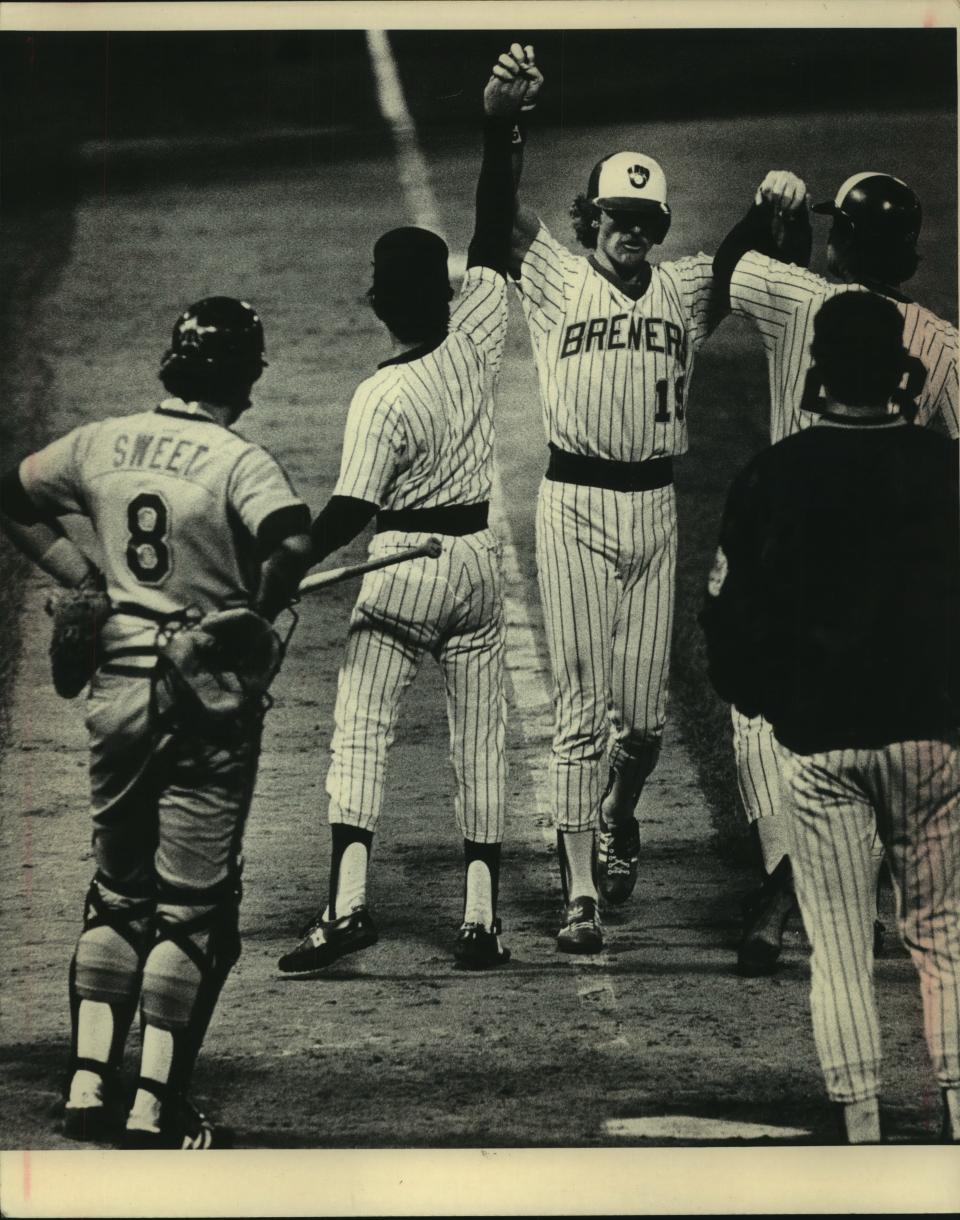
(113, 942)
(197, 941)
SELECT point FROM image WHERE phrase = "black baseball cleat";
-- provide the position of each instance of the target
(618, 855)
(95, 1116)
(90, 1124)
(766, 914)
(182, 1128)
(477, 948)
(581, 931)
(325, 941)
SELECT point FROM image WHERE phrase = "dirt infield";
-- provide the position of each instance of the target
(394, 1049)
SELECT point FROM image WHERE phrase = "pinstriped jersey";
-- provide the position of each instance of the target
(614, 372)
(176, 501)
(783, 299)
(419, 432)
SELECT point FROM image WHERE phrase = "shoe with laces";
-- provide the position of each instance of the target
(325, 941)
(182, 1128)
(618, 855)
(581, 931)
(478, 947)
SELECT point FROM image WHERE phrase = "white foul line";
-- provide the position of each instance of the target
(531, 692)
(691, 1129)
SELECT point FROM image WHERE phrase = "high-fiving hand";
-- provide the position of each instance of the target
(514, 83)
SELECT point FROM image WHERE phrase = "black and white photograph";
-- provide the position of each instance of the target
(481, 591)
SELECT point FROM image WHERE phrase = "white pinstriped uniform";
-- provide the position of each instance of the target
(419, 434)
(782, 300)
(613, 375)
(837, 799)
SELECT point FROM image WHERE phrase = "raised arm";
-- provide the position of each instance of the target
(516, 72)
(493, 227)
(777, 225)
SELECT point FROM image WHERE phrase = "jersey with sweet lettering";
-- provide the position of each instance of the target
(614, 370)
(782, 300)
(177, 503)
(419, 435)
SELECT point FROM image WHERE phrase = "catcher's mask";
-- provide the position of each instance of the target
(626, 182)
(217, 338)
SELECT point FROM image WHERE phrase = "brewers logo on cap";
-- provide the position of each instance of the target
(630, 178)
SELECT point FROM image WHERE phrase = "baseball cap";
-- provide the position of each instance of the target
(628, 180)
(877, 205)
(411, 244)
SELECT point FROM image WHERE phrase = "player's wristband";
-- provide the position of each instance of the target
(518, 136)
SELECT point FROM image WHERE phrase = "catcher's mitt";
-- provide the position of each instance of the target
(78, 615)
(212, 676)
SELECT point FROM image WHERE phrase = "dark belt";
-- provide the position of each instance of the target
(447, 519)
(616, 476)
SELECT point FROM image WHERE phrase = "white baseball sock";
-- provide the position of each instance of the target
(352, 879)
(774, 837)
(478, 907)
(577, 847)
(862, 1121)
(951, 1103)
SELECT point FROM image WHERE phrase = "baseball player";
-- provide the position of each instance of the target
(614, 339)
(871, 247)
(834, 611)
(418, 456)
(191, 518)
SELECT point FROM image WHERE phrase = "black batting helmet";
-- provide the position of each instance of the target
(876, 208)
(217, 337)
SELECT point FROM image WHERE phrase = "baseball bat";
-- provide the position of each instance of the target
(333, 576)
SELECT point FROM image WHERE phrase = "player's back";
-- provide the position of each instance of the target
(783, 300)
(430, 411)
(861, 557)
(160, 490)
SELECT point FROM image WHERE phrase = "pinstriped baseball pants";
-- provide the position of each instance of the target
(451, 608)
(606, 562)
(911, 792)
(758, 768)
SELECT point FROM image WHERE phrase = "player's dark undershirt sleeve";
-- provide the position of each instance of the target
(282, 524)
(15, 503)
(493, 226)
(755, 232)
(337, 523)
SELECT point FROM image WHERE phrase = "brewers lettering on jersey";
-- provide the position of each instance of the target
(871, 247)
(418, 454)
(614, 341)
(190, 519)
